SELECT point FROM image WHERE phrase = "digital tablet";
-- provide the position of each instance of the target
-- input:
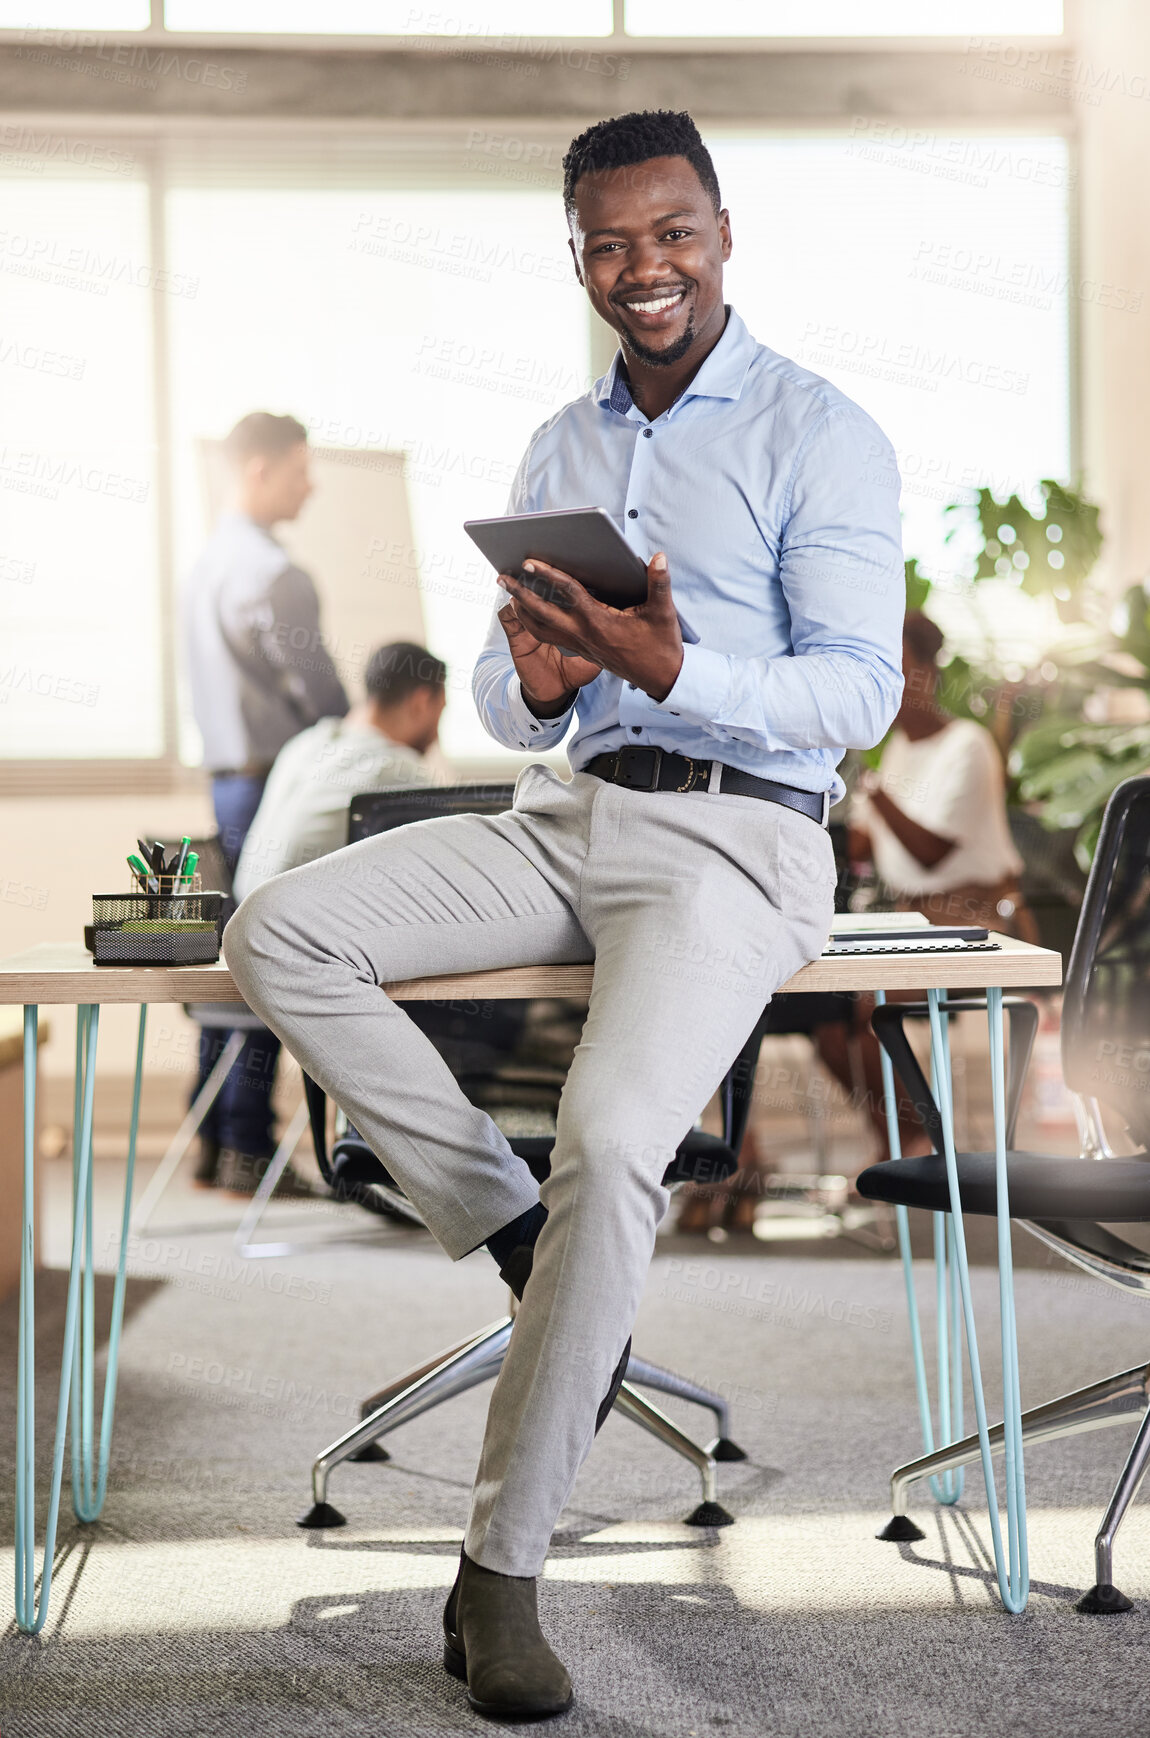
(582, 541)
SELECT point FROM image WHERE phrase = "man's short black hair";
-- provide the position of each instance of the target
(393, 672)
(264, 435)
(636, 138)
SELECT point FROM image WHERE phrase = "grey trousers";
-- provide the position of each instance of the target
(694, 909)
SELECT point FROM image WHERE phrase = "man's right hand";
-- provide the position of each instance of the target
(548, 679)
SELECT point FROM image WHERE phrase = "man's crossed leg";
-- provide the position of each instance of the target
(694, 910)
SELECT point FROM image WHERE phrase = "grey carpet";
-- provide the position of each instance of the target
(196, 1606)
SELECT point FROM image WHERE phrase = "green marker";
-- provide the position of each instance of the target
(140, 871)
(190, 865)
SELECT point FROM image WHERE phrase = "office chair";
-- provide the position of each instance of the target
(474, 1050)
(1067, 1203)
(354, 1169)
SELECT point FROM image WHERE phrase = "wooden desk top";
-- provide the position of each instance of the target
(56, 972)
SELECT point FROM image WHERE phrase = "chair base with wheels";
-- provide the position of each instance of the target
(702, 1158)
(1112, 1401)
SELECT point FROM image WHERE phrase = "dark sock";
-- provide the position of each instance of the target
(525, 1229)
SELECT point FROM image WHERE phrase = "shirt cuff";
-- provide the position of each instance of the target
(534, 732)
(701, 687)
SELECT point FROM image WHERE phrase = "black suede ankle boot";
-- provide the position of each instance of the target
(492, 1641)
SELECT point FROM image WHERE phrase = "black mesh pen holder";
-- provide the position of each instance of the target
(164, 928)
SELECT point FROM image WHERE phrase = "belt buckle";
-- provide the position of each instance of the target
(634, 785)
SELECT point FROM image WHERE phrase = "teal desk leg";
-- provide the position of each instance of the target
(1012, 1567)
(948, 1487)
(89, 1488)
(30, 1611)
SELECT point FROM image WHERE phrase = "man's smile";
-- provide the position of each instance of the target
(652, 310)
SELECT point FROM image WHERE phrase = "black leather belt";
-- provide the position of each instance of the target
(657, 769)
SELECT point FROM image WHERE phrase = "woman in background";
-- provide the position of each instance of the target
(932, 821)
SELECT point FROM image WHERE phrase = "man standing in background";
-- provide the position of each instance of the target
(260, 673)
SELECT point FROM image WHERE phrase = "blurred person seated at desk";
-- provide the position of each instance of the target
(932, 819)
(378, 746)
(259, 674)
(933, 822)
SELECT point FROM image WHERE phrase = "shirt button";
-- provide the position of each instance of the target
(636, 730)
(631, 685)
(632, 512)
(535, 727)
(648, 433)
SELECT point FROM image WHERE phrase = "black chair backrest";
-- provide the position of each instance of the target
(471, 1038)
(466, 1041)
(1106, 1002)
(379, 811)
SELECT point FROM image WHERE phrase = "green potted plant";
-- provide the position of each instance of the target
(1061, 762)
(1071, 760)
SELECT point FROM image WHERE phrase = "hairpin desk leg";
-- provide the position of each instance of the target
(1012, 1567)
(948, 1488)
(30, 1610)
(89, 1486)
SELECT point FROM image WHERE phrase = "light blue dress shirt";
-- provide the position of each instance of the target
(776, 501)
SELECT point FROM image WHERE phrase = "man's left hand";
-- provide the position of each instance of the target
(641, 645)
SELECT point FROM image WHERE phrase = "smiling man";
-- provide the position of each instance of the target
(687, 855)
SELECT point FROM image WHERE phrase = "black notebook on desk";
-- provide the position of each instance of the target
(923, 938)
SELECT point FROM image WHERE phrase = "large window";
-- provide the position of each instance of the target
(81, 670)
(443, 322)
(423, 301)
(929, 277)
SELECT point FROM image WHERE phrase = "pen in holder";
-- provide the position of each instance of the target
(173, 922)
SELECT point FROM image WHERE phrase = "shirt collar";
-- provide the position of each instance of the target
(721, 376)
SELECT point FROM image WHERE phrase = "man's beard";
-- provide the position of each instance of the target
(660, 358)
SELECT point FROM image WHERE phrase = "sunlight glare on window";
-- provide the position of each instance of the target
(82, 667)
(844, 18)
(56, 16)
(927, 277)
(446, 324)
(467, 19)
